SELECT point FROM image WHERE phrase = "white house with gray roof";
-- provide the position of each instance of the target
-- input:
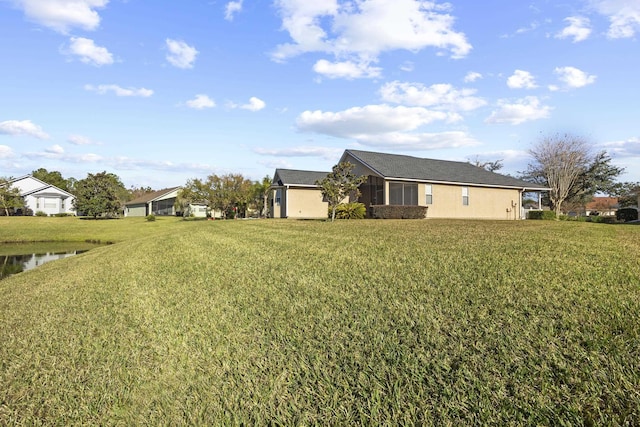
(448, 189)
(42, 197)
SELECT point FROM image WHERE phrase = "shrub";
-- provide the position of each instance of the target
(544, 215)
(627, 214)
(40, 213)
(62, 215)
(150, 217)
(399, 212)
(350, 211)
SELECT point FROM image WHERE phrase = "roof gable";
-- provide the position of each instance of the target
(150, 197)
(29, 185)
(297, 177)
(431, 170)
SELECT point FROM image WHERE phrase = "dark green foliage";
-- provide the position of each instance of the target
(399, 212)
(100, 194)
(41, 213)
(339, 184)
(546, 215)
(627, 214)
(354, 210)
(150, 217)
(9, 197)
(62, 215)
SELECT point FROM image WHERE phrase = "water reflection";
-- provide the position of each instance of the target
(12, 264)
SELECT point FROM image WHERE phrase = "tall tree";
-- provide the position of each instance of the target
(99, 194)
(338, 184)
(193, 191)
(628, 193)
(565, 164)
(230, 193)
(53, 178)
(9, 196)
(260, 195)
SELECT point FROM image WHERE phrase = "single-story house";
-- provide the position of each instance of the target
(42, 197)
(605, 206)
(159, 203)
(449, 189)
(295, 194)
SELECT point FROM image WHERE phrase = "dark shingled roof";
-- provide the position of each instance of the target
(146, 198)
(432, 170)
(297, 177)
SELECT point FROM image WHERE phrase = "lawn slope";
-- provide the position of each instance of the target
(304, 322)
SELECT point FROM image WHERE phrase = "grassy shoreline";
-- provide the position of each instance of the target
(304, 322)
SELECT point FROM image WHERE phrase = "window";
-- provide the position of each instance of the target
(465, 196)
(428, 194)
(278, 196)
(403, 193)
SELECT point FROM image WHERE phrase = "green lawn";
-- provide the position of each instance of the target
(306, 322)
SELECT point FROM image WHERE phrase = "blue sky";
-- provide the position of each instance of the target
(159, 92)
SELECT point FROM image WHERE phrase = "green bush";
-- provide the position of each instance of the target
(62, 215)
(150, 217)
(544, 215)
(627, 214)
(350, 211)
(399, 212)
(40, 213)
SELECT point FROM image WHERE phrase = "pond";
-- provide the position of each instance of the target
(18, 257)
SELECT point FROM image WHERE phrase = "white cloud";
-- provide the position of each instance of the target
(88, 52)
(472, 76)
(523, 110)
(359, 31)
(303, 151)
(579, 29)
(627, 148)
(231, 9)
(119, 91)
(418, 141)
(573, 78)
(407, 66)
(624, 16)
(22, 127)
(180, 54)
(200, 102)
(5, 152)
(373, 124)
(62, 15)
(81, 140)
(439, 96)
(345, 69)
(255, 104)
(521, 80)
(55, 149)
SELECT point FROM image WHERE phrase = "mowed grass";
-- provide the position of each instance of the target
(302, 322)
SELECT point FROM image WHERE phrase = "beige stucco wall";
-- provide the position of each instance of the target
(305, 203)
(484, 203)
(299, 203)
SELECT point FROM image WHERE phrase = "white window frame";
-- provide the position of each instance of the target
(428, 194)
(465, 196)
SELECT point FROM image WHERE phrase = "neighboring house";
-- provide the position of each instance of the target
(605, 206)
(200, 210)
(449, 189)
(295, 194)
(159, 203)
(42, 197)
